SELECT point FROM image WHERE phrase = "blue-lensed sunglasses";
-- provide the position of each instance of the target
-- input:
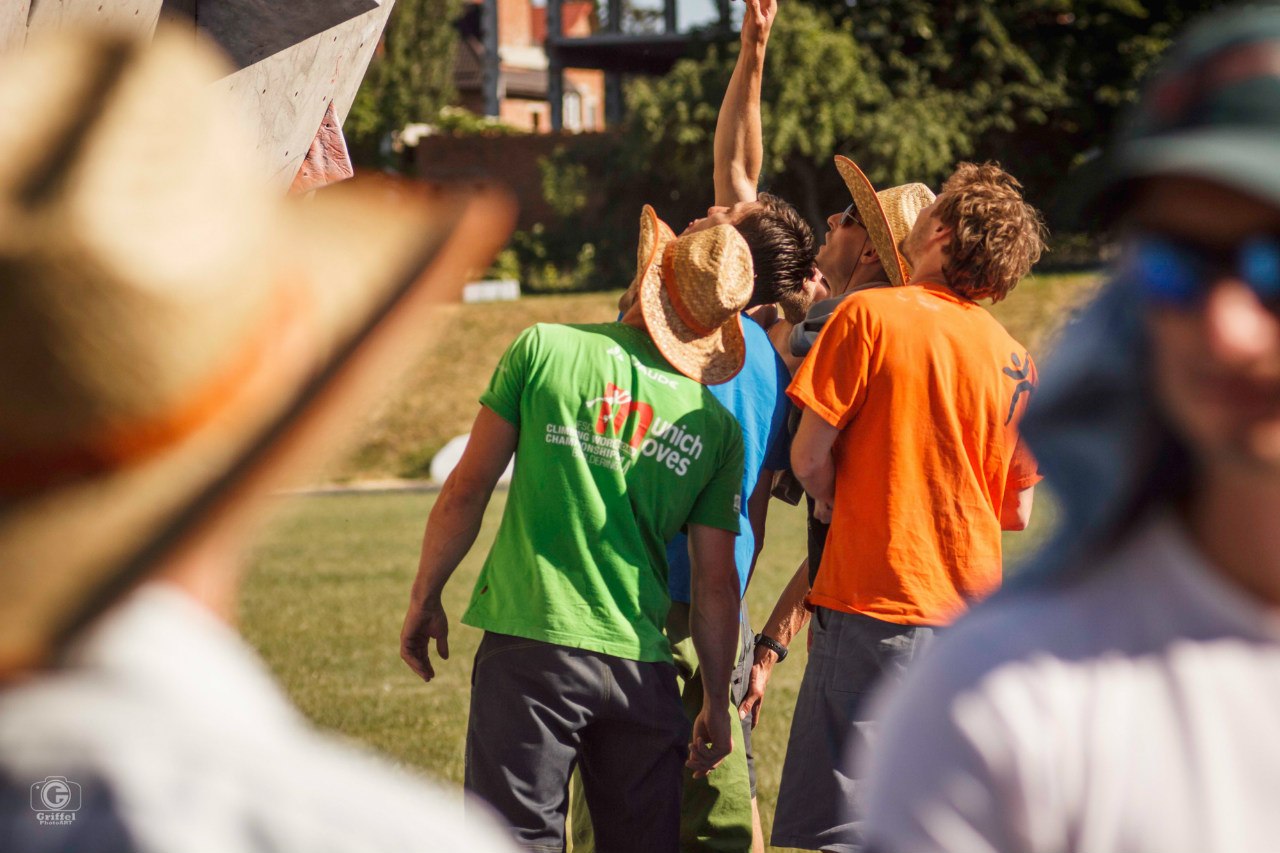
(1177, 274)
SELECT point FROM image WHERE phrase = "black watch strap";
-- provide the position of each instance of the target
(772, 645)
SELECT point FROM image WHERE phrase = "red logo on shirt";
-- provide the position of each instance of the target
(616, 406)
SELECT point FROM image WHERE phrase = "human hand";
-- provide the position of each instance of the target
(757, 21)
(712, 740)
(757, 683)
(423, 622)
(822, 511)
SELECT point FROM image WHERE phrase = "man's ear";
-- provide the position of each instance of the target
(869, 255)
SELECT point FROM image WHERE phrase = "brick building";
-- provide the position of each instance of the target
(523, 67)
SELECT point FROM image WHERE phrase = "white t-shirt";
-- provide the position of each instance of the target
(166, 733)
(1136, 710)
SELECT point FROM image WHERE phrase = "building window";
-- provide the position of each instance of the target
(572, 111)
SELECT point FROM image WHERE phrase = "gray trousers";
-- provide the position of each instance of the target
(819, 796)
(538, 709)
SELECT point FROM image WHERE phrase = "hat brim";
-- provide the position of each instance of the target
(1240, 160)
(706, 358)
(875, 220)
(362, 267)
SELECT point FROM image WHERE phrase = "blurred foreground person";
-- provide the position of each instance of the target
(174, 342)
(618, 445)
(1123, 698)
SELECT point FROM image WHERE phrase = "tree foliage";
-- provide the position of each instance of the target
(411, 77)
(908, 88)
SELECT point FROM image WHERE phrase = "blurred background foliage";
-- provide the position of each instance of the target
(907, 88)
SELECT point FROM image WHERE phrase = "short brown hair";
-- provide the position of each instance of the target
(996, 236)
(782, 251)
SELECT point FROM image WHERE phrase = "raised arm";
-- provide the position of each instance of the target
(739, 149)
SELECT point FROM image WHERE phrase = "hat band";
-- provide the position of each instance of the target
(677, 301)
(27, 472)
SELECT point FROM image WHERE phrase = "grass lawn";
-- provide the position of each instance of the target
(327, 590)
(326, 593)
(439, 400)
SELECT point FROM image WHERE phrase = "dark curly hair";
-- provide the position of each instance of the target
(996, 236)
(782, 253)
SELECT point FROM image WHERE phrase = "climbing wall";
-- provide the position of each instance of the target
(296, 61)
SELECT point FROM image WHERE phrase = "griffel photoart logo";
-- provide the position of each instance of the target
(55, 800)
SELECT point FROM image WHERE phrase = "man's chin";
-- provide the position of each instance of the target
(1253, 449)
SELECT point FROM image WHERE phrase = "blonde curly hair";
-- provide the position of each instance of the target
(996, 236)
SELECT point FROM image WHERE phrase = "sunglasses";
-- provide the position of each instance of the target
(1177, 274)
(850, 217)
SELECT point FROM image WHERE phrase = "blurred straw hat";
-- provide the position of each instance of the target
(693, 290)
(888, 215)
(173, 335)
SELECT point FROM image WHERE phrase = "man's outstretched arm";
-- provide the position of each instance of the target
(451, 531)
(739, 149)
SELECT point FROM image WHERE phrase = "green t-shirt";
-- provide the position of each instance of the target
(617, 452)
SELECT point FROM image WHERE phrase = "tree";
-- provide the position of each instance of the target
(411, 77)
(816, 95)
(909, 87)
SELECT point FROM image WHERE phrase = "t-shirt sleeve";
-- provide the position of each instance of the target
(719, 504)
(506, 386)
(832, 380)
(1024, 471)
(777, 455)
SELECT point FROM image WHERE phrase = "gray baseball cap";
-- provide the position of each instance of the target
(1211, 111)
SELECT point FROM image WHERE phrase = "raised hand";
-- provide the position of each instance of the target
(757, 21)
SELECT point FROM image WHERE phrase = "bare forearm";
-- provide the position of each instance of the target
(451, 530)
(789, 615)
(820, 480)
(739, 149)
(812, 459)
(713, 624)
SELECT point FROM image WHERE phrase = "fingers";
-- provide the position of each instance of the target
(748, 703)
(415, 641)
(822, 511)
(416, 656)
(705, 756)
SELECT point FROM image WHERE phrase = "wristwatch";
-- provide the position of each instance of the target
(773, 645)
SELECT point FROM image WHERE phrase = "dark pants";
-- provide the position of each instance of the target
(538, 709)
(820, 793)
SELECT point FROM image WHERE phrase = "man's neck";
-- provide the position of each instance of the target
(930, 267)
(1233, 521)
(863, 277)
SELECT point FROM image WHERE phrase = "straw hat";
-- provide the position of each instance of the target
(693, 289)
(173, 335)
(888, 215)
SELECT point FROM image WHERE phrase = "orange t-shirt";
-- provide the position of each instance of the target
(927, 389)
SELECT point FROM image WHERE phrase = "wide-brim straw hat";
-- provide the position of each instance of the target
(693, 289)
(175, 337)
(888, 216)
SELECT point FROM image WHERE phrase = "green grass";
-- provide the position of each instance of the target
(326, 593)
(439, 397)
